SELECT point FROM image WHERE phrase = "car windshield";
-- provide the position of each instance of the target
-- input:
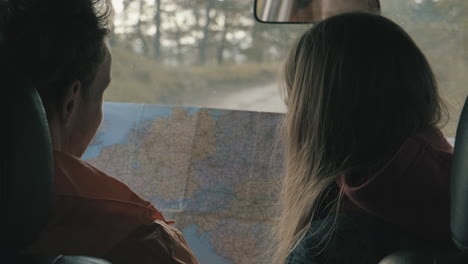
(212, 53)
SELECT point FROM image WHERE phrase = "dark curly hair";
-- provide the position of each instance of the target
(50, 43)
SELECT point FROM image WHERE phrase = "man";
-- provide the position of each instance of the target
(60, 48)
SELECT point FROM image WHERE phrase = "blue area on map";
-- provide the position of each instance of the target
(163, 204)
(151, 112)
(121, 118)
(201, 246)
(112, 132)
(216, 113)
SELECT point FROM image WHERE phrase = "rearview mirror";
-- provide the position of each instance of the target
(308, 11)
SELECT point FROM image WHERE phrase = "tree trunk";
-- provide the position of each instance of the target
(222, 45)
(157, 23)
(196, 14)
(204, 41)
(139, 32)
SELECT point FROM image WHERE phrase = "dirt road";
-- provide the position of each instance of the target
(264, 98)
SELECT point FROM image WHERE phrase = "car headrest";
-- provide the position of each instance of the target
(26, 170)
(459, 184)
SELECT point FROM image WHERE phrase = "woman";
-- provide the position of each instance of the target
(367, 169)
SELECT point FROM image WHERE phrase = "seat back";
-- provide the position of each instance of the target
(459, 185)
(26, 170)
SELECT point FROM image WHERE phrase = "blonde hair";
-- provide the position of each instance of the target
(356, 87)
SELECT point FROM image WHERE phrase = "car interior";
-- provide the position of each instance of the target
(26, 191)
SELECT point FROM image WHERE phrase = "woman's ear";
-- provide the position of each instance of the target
(70, 101)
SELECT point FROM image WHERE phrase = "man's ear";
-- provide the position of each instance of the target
(70, 101)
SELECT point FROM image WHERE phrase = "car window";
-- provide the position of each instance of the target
(212, 53)
(439, 28)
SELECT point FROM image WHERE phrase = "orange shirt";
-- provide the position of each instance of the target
(96, 215)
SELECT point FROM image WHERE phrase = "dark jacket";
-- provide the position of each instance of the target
(358, 238)
(405, 205)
